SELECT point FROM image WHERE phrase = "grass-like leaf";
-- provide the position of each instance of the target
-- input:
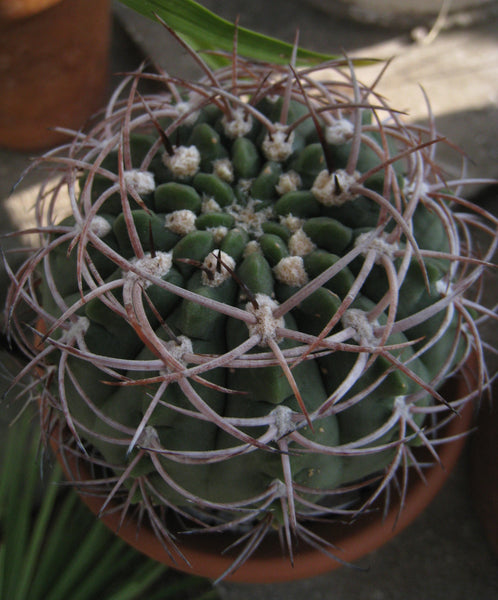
(52, 548)
(204, 30)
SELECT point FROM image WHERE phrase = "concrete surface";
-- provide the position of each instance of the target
(444, 554)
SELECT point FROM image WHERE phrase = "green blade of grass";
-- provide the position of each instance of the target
(178, 588)
(112, 559)
(3, 566)
(8, 491)
(52, 548)
(143, 580)
(56, 548)
(79, 564)
(20, 500)
(40, 532)
(204, 30)
(209, 595)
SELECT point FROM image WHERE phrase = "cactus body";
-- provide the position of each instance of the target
(257, 295)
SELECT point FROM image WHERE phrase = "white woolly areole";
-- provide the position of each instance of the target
(252, 247)
(244, 185)
(178, 350)
(288, 182)
(300, 244)
(292, 223)
(443, 287)
(157, 266)
(184, 162)
(402, 407)
(334, 189)
(248, 217)
(100, 226)
(149, 438)
(218, 233)
(277, 145)
(215, 270)
(210, 205)
(357, 319)
(290, 270)
(237, 124)
(181, 221)
(410, 187)
(141, 181)
(339, 131)
(77, 329)
(273, 98)
(266, 324)
(223, 168)
(187, 108)
(381, 247)
(283, 422)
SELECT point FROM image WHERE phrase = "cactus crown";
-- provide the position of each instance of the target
(258, 292)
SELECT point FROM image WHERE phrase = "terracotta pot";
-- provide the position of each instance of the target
(269, 564)
(17, 9)
(54, 64)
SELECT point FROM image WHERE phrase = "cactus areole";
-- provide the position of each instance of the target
(262, 282)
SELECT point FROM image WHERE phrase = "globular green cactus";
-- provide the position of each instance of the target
(262, 282)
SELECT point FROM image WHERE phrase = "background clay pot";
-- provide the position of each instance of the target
(269, 564)
(54, 61)
(16, 9)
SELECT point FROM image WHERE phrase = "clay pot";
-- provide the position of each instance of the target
(54, 65)
(269, 564)
(17, 9)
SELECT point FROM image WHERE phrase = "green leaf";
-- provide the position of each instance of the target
(39, 536)
(204, 30)
(144, 578)
(17, 500)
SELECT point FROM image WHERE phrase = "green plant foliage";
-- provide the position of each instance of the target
(204, 30)
(52, 548)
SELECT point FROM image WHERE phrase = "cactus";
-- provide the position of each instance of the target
(263, 280)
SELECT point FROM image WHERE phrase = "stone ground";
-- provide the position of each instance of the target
(444, 554)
